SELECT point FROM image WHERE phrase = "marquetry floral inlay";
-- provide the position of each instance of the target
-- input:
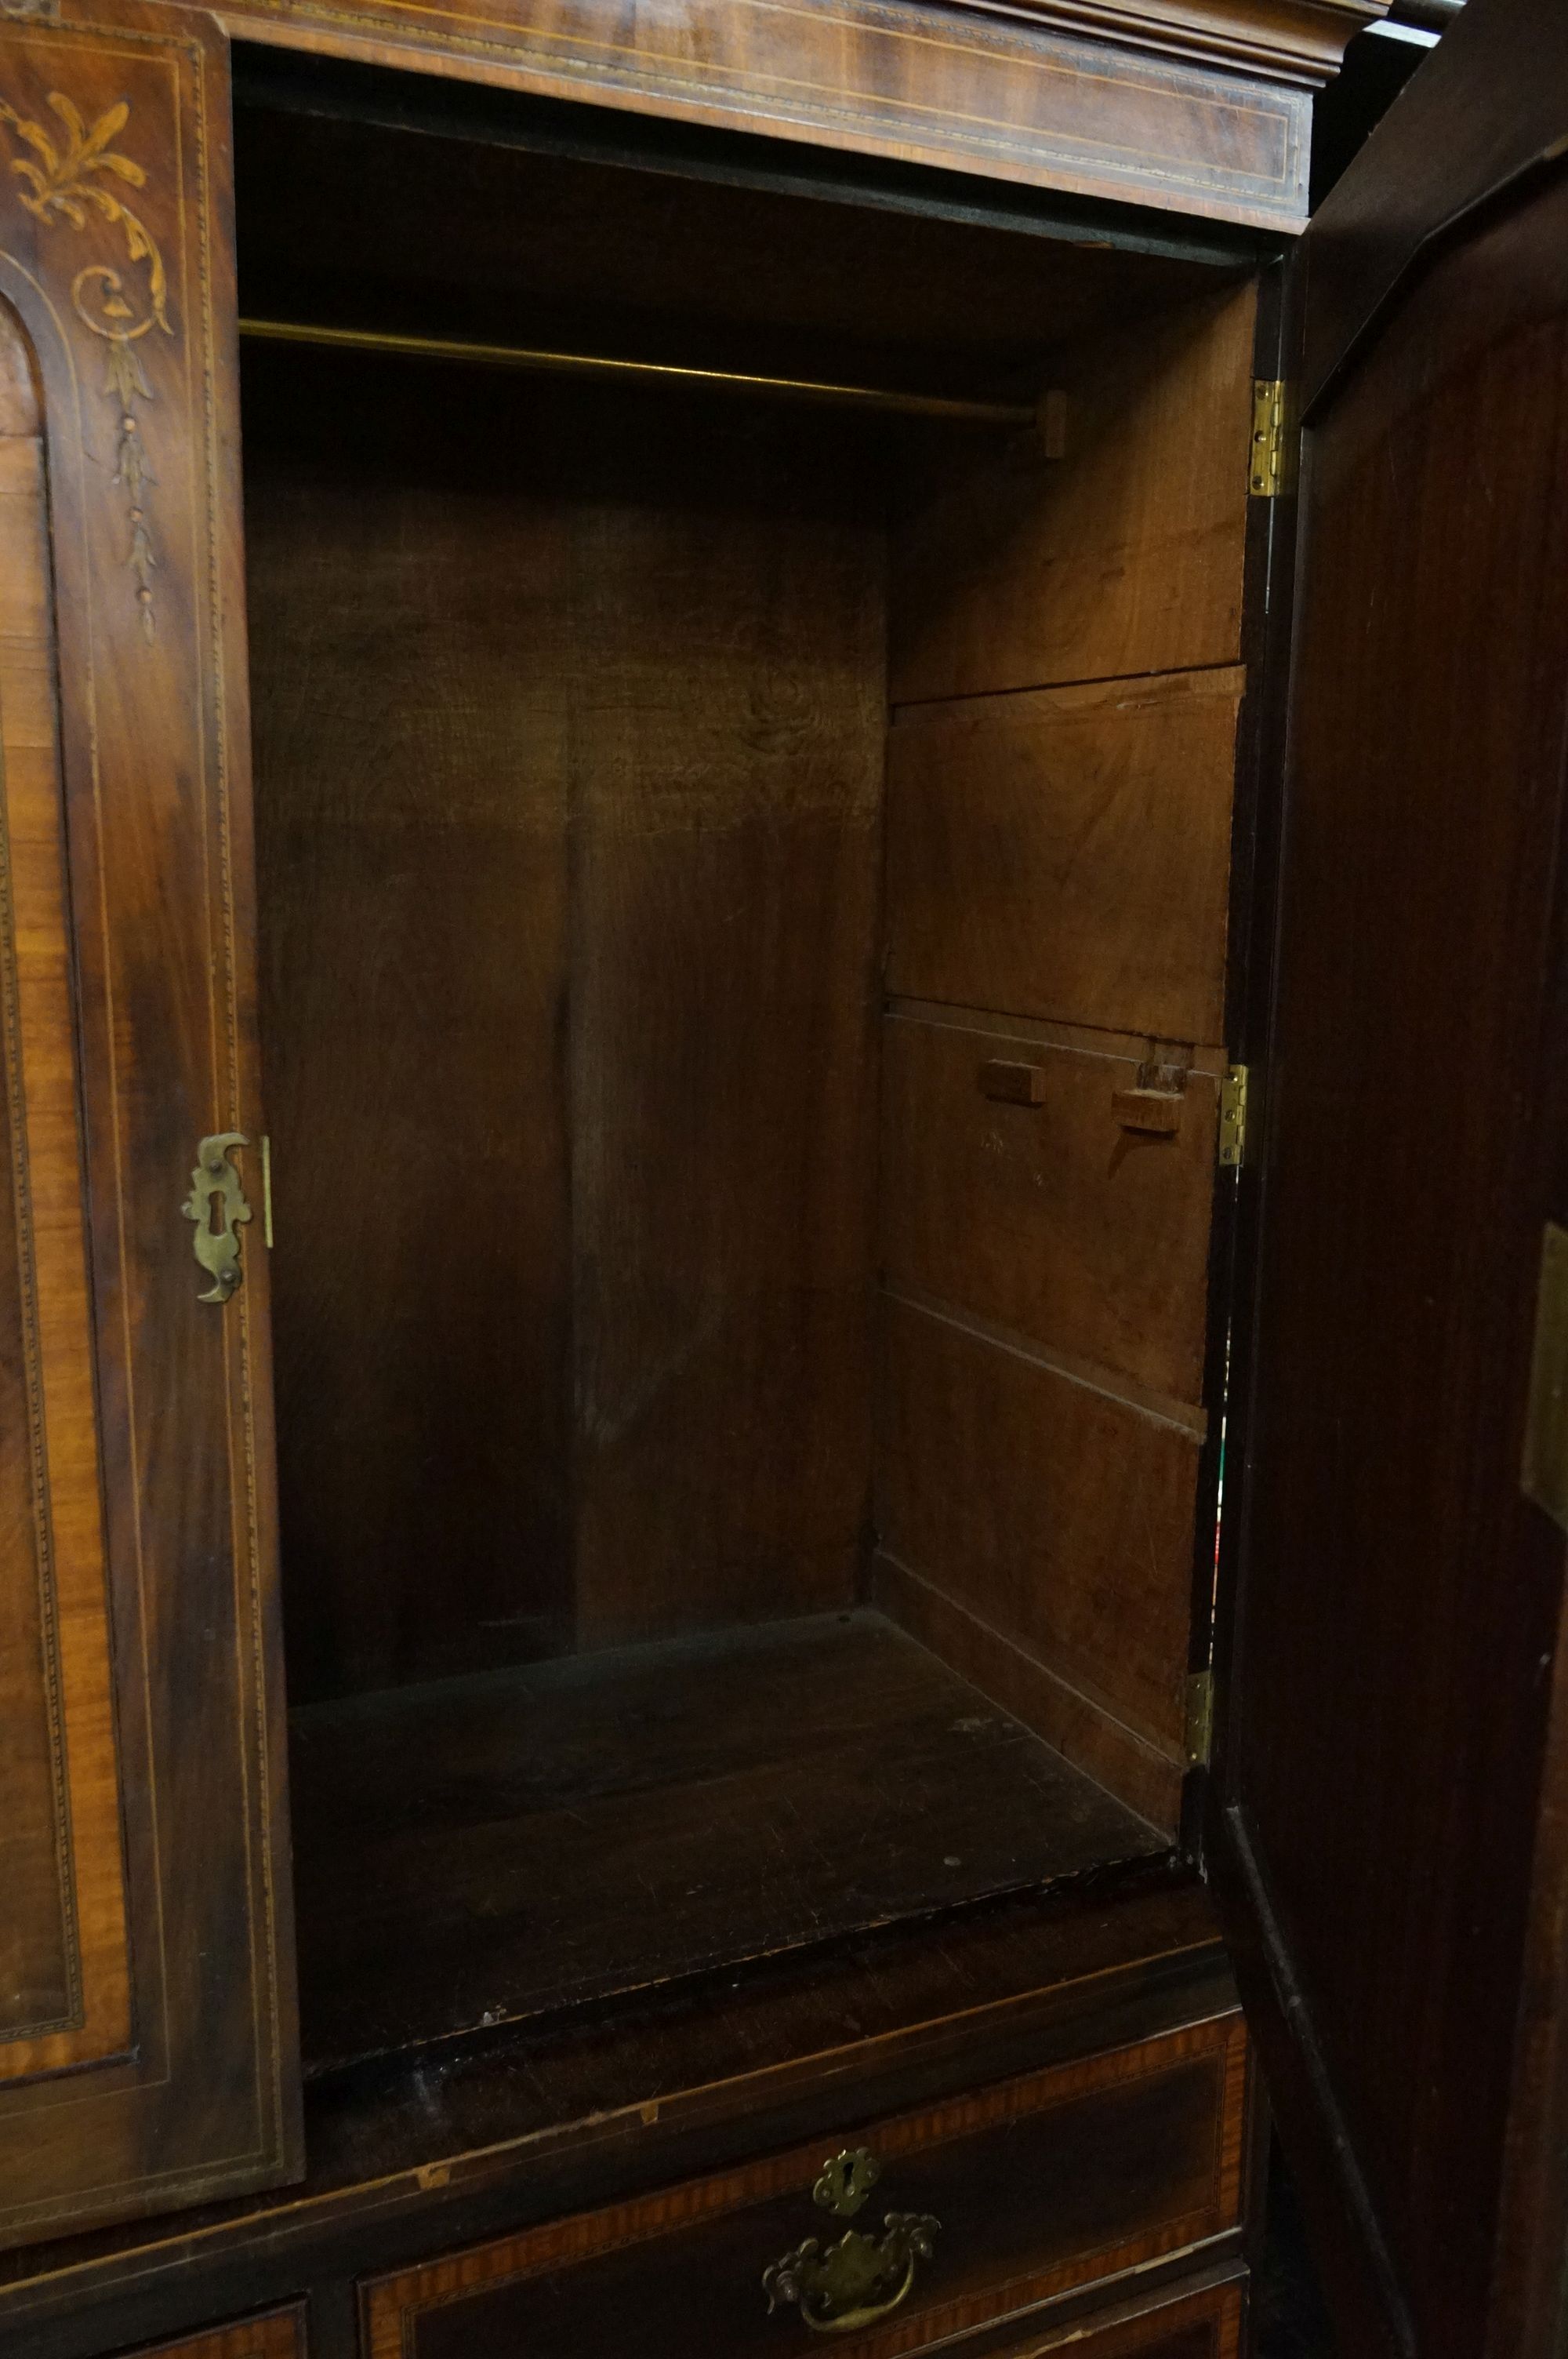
(76, 178)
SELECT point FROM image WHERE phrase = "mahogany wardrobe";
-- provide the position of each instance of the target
(783, 1275)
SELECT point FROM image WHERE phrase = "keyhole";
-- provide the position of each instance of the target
(216, 1223)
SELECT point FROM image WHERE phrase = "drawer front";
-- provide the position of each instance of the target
(1038, 2185)
(1206, 2324)
(276, 2335)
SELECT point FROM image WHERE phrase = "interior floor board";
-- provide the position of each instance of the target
(478, 1850)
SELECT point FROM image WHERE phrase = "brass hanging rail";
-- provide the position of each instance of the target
(1015, 414)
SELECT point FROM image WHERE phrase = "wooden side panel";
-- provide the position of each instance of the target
(1124, 556)
(1038, 1531)
(115, 260)
(410, 606)
(1040, 2184)
(1067, 854)
(1218, 125)
(727, 775)
(1060, 800)
(1056, 1216)
(64, 1968)
(278, 2334)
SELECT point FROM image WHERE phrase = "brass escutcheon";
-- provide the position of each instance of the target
(861, 2277)
(215, 1180)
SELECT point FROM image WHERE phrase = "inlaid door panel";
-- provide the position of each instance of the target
(64, 1990)
(146, 2048)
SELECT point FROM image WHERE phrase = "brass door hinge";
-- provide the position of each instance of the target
(1233, 1118)
(1200, 1718)
(267, 1189)
(1271, 464)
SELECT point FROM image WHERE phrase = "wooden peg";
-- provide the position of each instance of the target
(1158, 1111)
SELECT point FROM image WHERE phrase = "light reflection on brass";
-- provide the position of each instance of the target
(861, 2277)
(215, 1179)
(1017, 414)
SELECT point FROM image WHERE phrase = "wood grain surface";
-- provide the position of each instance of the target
(410, 221)
(1066, 853)
(64, 1969)
(1402, 1599)
(1058, 873)
(1051, 1218)
(569, 748)
(1057, 1519)
(482, 1850)
(153, 750)
(727, 755)
(1490, 100)
(1204, 110)
(279, 2334)
(553, 2118)
(1123, 556)
(1183, 2322)
(1041, 2184)
(412, 704)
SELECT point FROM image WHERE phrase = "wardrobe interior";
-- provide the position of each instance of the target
(743, 890)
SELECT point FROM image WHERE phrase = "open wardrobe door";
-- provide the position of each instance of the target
(1392, 1776)
(148, 2055)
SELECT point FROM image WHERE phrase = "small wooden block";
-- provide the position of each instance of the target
(1152, 1110)
(1017, 1084)
(1053, 415)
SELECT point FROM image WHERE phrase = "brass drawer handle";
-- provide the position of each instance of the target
(861, 2277)
(216, 1243)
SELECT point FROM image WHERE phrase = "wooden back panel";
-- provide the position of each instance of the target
(147, 1922)
(726, 782)
(410, 628)
(569, 737)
